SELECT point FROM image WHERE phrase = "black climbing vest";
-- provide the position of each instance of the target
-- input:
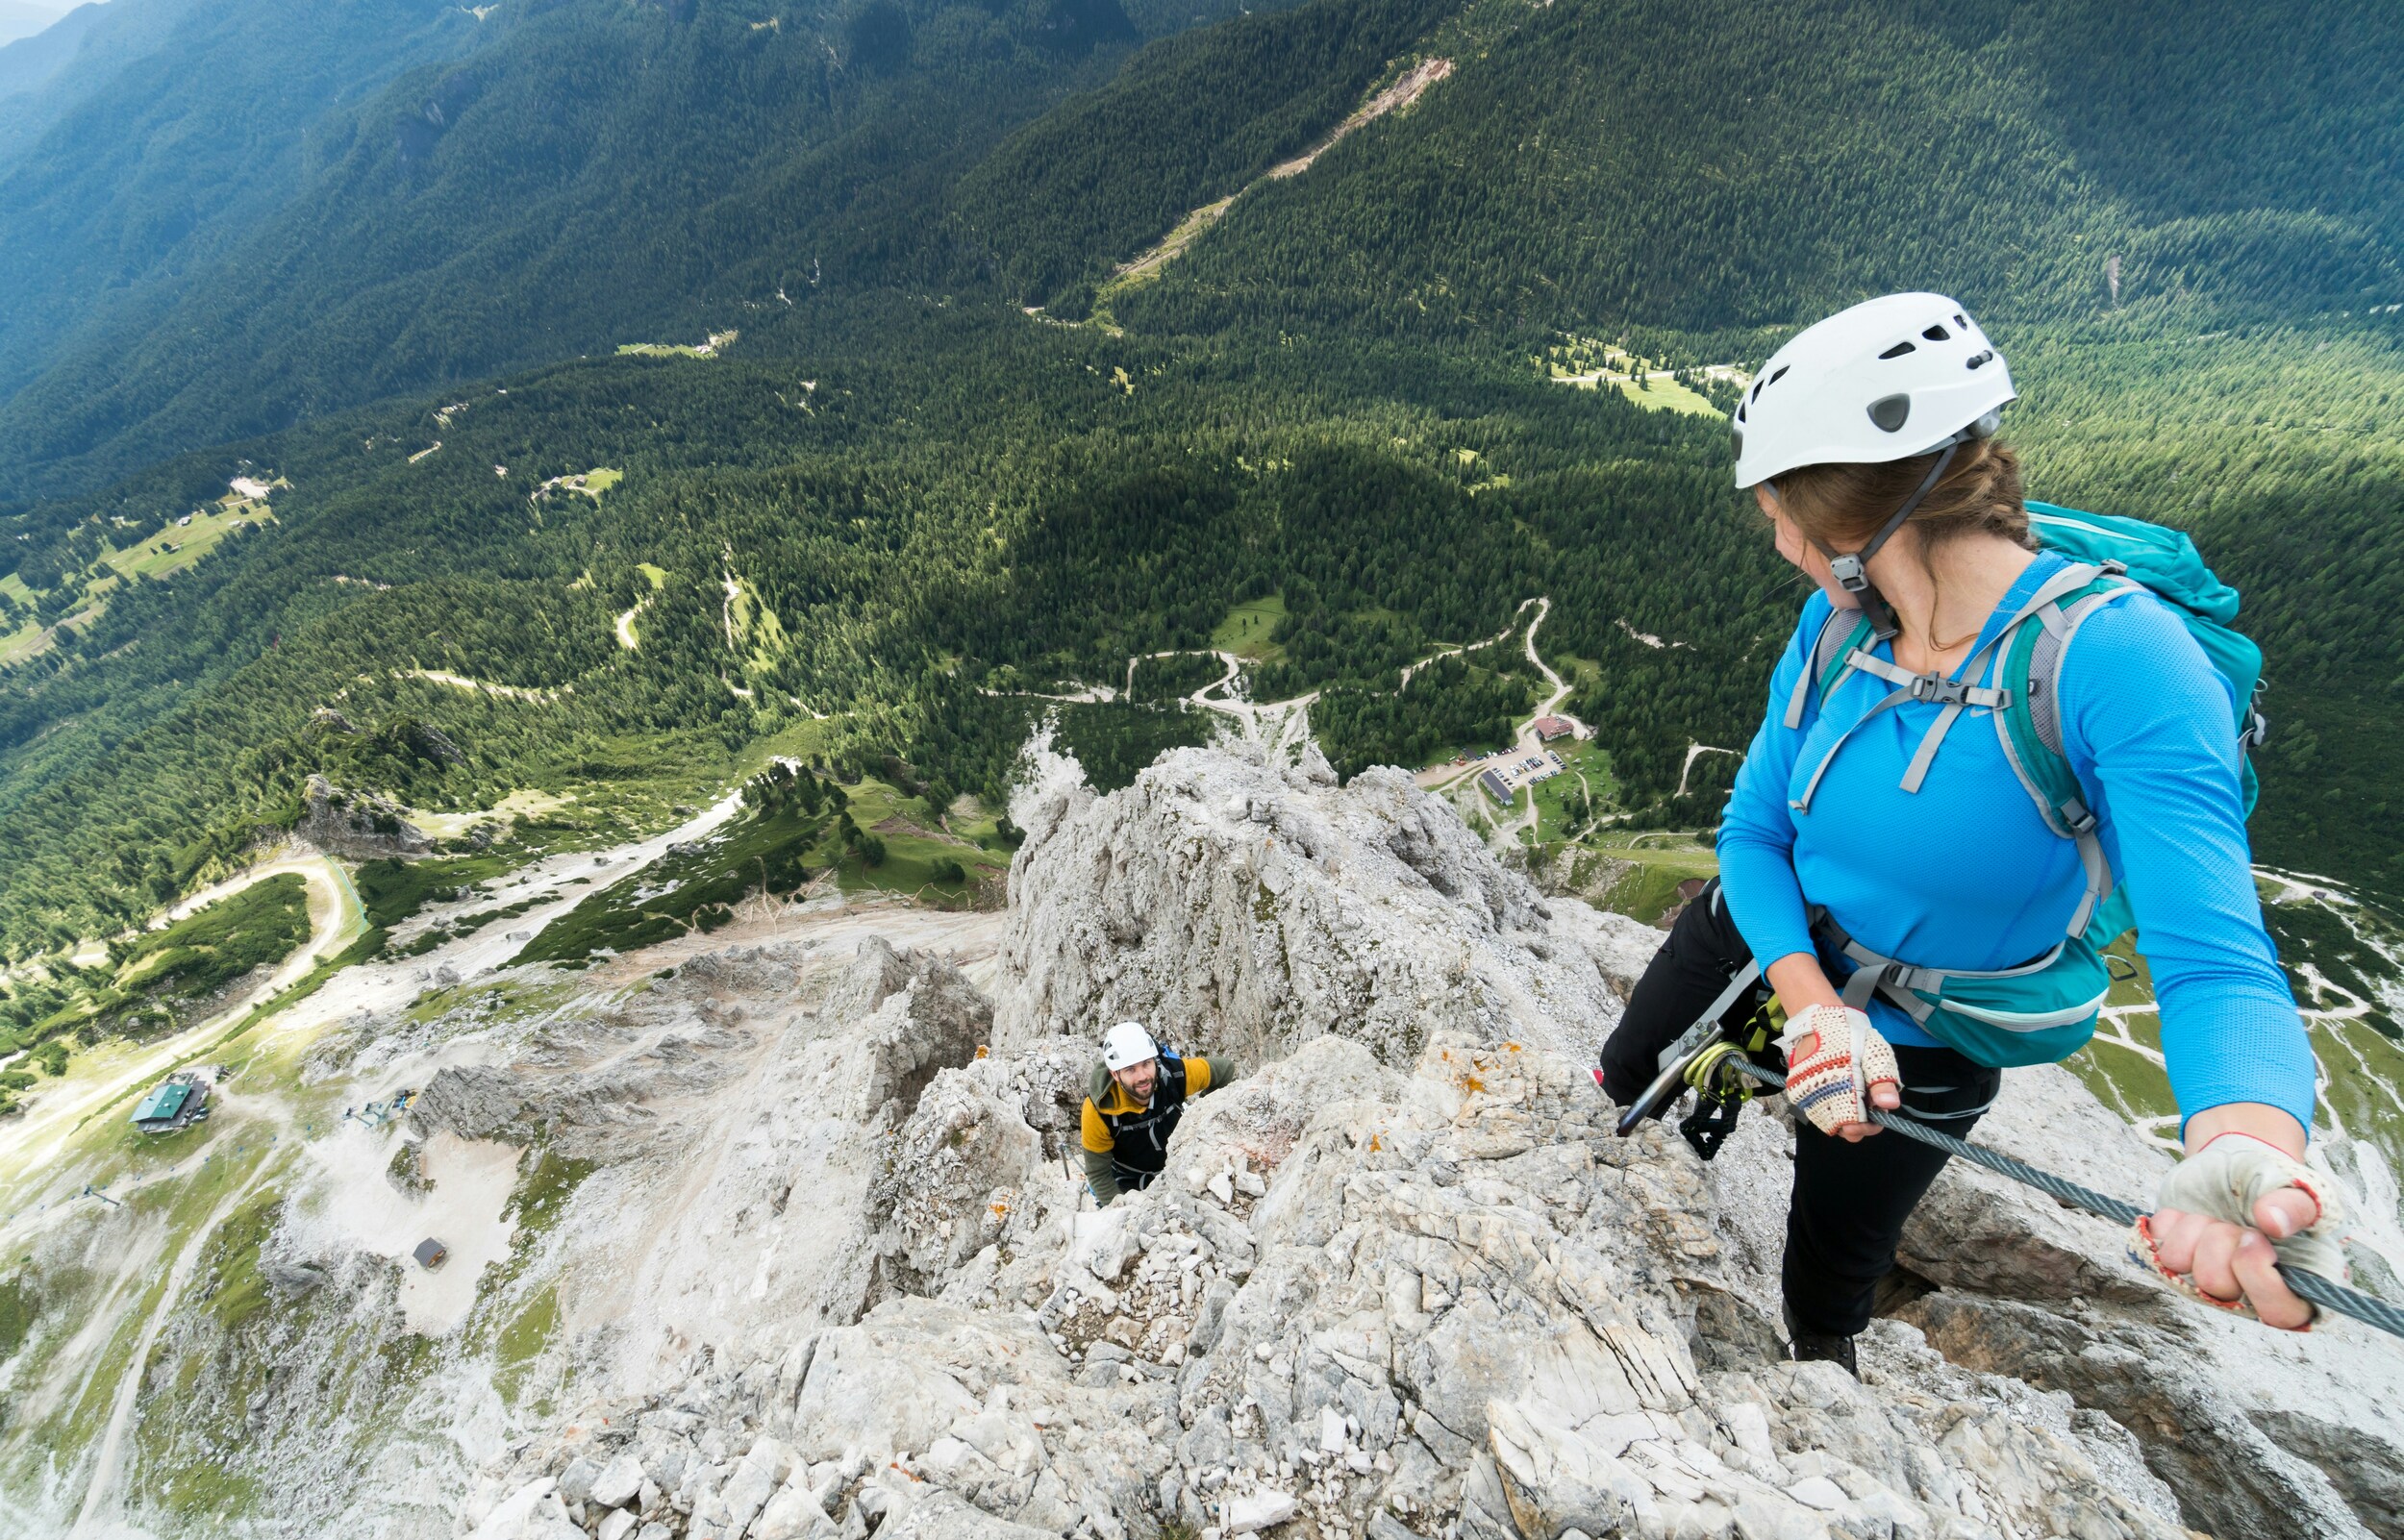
(1140, 1139)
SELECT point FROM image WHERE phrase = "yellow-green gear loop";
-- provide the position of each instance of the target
(1710, 1074)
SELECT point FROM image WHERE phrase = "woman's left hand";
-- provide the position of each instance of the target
(2229, 1213)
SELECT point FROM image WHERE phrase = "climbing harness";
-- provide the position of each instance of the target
(2311, 1287)
(1720, 1087)
(1748, 991)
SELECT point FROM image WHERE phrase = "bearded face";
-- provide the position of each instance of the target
(1140, 1079)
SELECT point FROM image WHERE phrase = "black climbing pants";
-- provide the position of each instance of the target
(1849, 1200)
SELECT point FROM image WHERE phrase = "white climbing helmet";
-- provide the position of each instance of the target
(1886, 380)
(1127, 1044)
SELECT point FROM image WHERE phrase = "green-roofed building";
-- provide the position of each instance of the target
(171, 1104)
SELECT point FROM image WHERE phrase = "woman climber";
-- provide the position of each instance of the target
(1927, 919)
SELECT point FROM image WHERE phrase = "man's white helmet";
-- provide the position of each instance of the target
(1886, 380)
(1127, 1044)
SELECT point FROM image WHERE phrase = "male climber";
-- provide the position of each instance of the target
(1132, 1101)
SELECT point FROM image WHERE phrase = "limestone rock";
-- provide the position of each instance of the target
(935, 1019)
(1245, 1515)
(616, 1483)
(1238, 909)
(361, 824)
(1398, 1281)
(941, 1516)
(2258, 1435)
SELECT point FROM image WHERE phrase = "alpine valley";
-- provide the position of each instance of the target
(623, 625)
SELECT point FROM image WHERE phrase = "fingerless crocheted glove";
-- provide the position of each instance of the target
(2224, 1181)
(1831, 1084)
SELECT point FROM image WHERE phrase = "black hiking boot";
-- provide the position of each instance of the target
(1820, 1347)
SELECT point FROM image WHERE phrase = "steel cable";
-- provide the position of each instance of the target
(2312, 1287)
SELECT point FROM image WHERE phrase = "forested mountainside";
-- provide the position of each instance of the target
(1325, 427)
(583, 166)
(148, 151)
(587, 172)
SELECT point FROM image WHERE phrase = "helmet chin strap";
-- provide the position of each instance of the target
(1852, 572)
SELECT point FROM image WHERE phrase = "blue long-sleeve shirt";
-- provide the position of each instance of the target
(1965, 874)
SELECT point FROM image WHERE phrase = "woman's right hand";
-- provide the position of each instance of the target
(1833, 1084)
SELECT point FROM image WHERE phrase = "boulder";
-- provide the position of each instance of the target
(357, 825)
(617, 1482)
(1242, 908)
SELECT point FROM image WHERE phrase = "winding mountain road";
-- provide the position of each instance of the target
(336, 920)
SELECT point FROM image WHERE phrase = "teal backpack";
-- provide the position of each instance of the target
(2044, 1009)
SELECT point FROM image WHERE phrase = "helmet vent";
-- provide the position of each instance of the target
(1899, 350)
(1960, 321)
(1889, 412)
(1780, 374)
(1938, 334)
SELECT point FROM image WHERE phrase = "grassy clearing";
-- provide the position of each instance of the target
(1245, 632)
(1660, 394)
(920, 861)
(179, 545)
(658, 576)
(1590, 364)
(1561, 803)
(170, 549)
(1654, 865)
(802, 743)
(775, 849)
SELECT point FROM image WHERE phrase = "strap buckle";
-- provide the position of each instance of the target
(1849, 573)
(1953, 693)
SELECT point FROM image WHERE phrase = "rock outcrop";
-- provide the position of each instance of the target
(361, 824)
(2260, 1436)
(1247, 907)
(1399, 1282)
(1440, 1300)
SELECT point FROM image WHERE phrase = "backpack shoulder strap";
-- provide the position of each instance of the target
(1841, 637)
(2030, 728)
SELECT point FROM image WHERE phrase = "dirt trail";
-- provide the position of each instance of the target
(1442, 653)
(1277, 725)
(1695, 752)
(1524, 740)
(111, 1458)
(1413, 85)
(334, 921)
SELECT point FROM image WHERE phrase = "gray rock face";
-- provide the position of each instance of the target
(923, 1016)
(2260, 1436)
(361, 824)
(1398, 1281)
(1237, 907)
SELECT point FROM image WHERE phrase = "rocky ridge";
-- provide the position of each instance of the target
(1398, 1281)
(362, 825)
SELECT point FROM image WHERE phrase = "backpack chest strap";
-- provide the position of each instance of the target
(1955, 694)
